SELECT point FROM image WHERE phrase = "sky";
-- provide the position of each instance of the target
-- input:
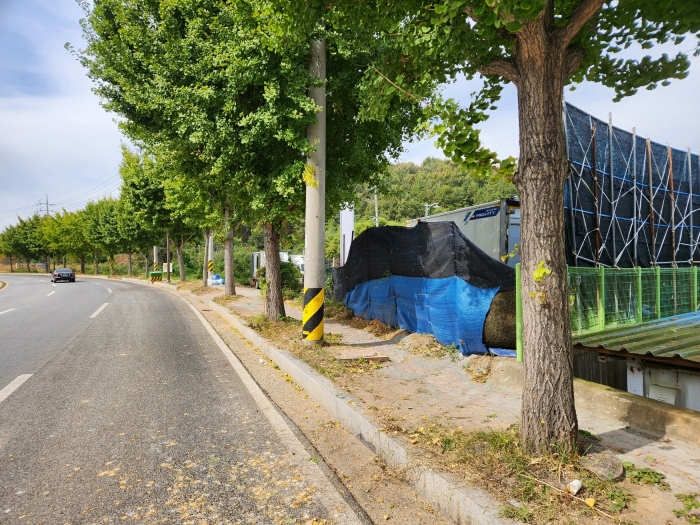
(56, 140)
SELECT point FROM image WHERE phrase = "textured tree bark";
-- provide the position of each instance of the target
(96, 262)
(548, 413)
(181, 259)
(274, 302)
(128, 269)
(229, 276)
(145, 261)
(82, 264)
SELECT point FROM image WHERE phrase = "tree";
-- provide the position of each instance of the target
(539, 46)
(200, 80)
(26, 240)
(148, 210)
(102, 229)
(64, 234)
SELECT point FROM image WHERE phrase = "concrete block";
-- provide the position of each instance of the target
(628, 409)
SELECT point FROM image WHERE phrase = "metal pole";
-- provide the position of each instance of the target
(601, 299)
(673, 207)
(690, 197)
(657, 269)
(314, 274)
(640, 310)
(167, 255)
(596, 225)
(634, 181)
(518, 315)
(695, 289)
(376, 209)
(651, 205)
(612, 193)
(210, 262)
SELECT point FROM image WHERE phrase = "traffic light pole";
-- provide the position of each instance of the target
(314, 270)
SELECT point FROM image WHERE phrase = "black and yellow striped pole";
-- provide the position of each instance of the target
(315, 178)
(210, 261)
(312, 319)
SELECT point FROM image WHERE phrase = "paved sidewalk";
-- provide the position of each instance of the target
(411, 389)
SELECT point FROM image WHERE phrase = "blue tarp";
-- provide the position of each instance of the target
(449, 308)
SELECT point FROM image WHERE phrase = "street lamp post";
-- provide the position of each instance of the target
(376, 208)
(428, 207)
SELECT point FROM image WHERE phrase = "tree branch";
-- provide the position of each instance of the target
(398, 87)
(572, 61)
(503, 68)
(582, 14)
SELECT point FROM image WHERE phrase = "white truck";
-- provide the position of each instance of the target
(493, 226)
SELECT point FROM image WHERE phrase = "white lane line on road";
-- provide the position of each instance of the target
(99, 310)
(53, 284)
(109, 290)
(343, 513)
(5, 392)
(50, 294)
(5, 311)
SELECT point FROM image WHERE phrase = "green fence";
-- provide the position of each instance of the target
(605, 297)
(601, 298)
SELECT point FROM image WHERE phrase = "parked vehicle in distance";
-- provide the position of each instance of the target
(63, 274)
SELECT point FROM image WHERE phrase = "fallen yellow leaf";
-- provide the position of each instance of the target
(590, 502)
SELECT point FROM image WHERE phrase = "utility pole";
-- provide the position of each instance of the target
(314, 264)
(167, 254)
(47, 257)
(210, 262)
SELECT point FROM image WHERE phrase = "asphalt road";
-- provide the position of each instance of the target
(136, 415)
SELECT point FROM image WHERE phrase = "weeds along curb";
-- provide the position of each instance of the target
(463, 505)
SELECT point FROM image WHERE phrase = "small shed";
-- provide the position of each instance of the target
(658, 359)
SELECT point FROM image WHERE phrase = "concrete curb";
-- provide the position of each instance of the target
(463, 505)
(629, 409)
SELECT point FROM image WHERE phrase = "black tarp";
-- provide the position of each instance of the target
(430, 249)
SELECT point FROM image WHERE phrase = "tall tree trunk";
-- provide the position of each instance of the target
(145, 262)
(206, 249)
(82, 264)
(28, 267)
(229, 277)
(128, 267)
(274, 302)
(64, 261)
(548, 415)
(111, 264)
(97, 262)
(181, 259)
(11, 264)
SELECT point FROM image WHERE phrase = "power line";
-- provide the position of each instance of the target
(103, 189)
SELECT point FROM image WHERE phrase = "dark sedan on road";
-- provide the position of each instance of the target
(63, 274)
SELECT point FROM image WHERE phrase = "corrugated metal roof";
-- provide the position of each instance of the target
(677, 336)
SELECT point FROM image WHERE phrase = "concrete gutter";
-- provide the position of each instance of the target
(463, 505)
(628, 409)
